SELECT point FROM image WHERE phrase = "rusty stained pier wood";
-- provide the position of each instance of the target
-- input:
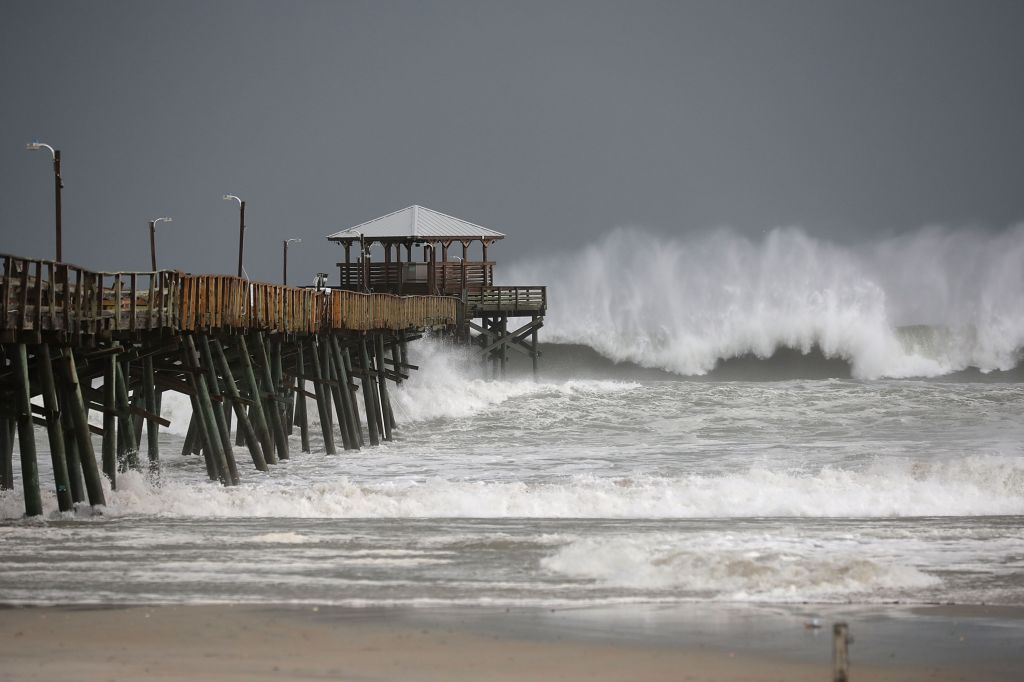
(114, 342)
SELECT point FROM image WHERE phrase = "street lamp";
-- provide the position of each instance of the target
(57, 183)
(241, 227)
(152, 238)
(285, 243)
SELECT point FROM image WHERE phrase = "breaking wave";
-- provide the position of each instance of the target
(733, 567)
(924, 304)
(972, 486)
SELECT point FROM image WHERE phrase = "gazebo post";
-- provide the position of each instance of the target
(347, 279)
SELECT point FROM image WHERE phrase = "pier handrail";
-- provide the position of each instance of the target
(511, 300)
(38, 295)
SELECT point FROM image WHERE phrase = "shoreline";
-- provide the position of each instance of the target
(712, 642)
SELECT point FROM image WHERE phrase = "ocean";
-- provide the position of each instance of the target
(811, 444)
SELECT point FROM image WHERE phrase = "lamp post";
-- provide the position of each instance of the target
(152, 238)
(285, 243)
(58, 183)
(241, 227)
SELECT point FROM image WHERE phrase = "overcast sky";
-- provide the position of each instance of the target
(551, 121)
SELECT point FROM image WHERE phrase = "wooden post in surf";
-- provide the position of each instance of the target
(152, 405)
(350, 419)
(271, 406)
(353, 401)
(51, 404)
(300, 397)
(110, 421)
(26, 434)
(382, 384)
(6, 453)
(322, 406)
(80, 418)
(245, 427)
(71, 446)
(840, 653)
(256, 414)
(368, 392)
(335, 389)
(219, 411)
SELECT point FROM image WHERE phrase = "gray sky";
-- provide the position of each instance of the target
(551, 121)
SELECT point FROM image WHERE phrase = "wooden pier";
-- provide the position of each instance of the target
(242, 351)
(75, 340)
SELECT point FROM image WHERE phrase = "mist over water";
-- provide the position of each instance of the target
(923, 304)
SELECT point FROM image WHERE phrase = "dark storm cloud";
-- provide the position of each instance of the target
(550, 121)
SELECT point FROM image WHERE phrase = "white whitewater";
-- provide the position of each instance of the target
(683, 304)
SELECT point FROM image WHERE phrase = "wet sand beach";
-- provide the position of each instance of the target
(222, 642)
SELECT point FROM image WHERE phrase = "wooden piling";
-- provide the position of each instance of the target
(245, 427)
(350, 419)
(190, 435)
(51, 404)
(387, 419)
(336, 390)
(7, 426)
(71, 446)
(368, 392)
(124, 424)
(110, 420)
(270, 397)
(152, 405)
(214, 385)
(353, 390)
(256, 413)
(322, 406)
(26, 434)
(840, 653)
(208, 422)
(300, 397)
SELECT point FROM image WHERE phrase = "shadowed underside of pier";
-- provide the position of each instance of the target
(75, 341)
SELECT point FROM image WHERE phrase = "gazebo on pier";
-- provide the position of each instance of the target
(414, 258)
(404, 271)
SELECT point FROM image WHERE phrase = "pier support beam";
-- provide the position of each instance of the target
(322, 406)
(7, 426)
(86, 454)
(368, 393)
(220, 410)
(353, 391)
(110, 420)
(152, 405)
(51, 404)
(26, 434)
(347, 415)
(71, 445)
(271, 406)
(245, 427)
(256, 413)
(208, 424)
(299, 397)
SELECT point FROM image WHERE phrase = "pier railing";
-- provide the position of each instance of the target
(417, 277)
(44, 296)
(513, 301)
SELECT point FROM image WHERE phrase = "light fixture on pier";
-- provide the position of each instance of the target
(241, 227)
(58, 184)
(152, 238)
(285, 243)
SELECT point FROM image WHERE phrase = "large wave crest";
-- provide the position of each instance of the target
(923, 304)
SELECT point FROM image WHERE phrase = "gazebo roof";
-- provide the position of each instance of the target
(416, 223)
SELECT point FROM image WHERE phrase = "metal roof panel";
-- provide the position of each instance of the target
(417, 222)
